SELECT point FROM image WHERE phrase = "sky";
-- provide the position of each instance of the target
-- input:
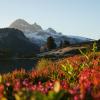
(71, 17)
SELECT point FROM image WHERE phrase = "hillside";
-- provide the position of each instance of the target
(15, 42)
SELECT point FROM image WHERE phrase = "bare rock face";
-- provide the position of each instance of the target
(25, 26)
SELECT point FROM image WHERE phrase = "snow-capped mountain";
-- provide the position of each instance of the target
(37, 35)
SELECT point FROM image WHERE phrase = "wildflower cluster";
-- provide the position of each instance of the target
(73, 78)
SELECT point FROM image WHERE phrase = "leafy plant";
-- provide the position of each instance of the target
(89, 54)
(42, 63)
(69, 72)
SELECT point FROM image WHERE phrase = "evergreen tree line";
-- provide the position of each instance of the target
(51, 44)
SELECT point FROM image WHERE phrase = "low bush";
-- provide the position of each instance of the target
(73, 78)
(42, 63)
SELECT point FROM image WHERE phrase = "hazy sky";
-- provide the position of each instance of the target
(74, 17)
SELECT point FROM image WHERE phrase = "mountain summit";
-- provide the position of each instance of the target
(25, 26)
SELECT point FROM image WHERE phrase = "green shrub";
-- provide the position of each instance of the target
(42, 63)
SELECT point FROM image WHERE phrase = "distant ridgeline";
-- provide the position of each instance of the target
(36, 34)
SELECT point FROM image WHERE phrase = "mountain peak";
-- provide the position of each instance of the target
(35, 23)
(24, 26)
(36, 26)
(19, 21)
(50, 30)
